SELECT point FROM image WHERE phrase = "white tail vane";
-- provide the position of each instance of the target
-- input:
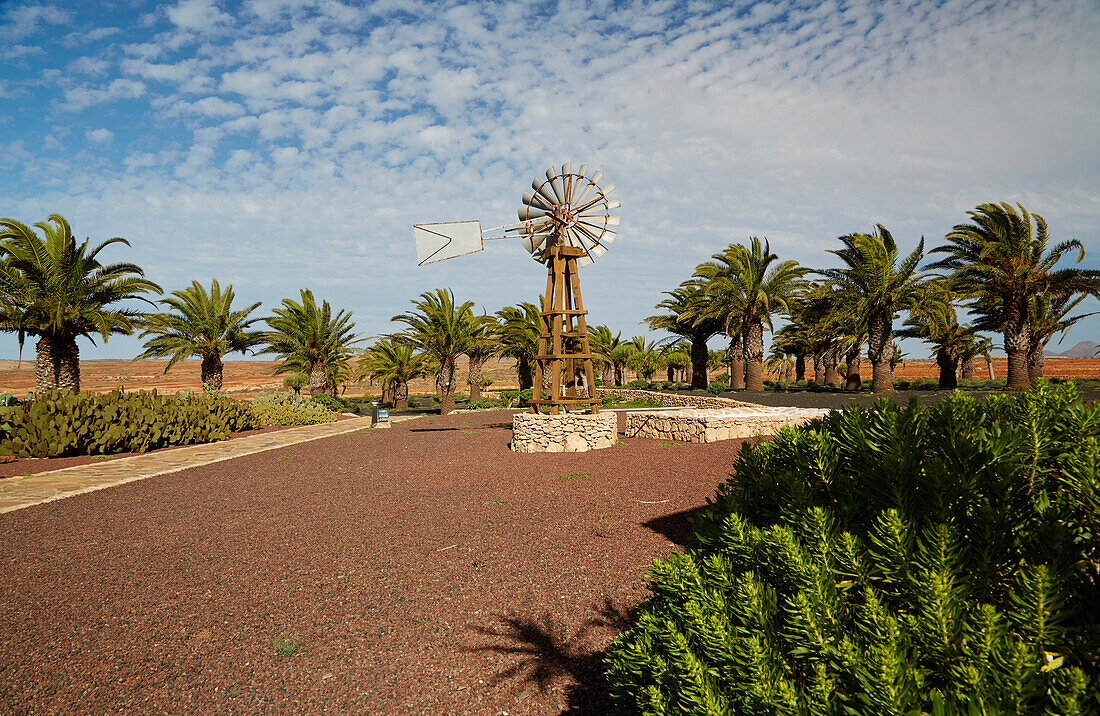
(436, 242)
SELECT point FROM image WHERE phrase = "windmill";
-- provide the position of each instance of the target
(565, 222)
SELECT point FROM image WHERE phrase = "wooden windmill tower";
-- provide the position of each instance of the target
(566, 223)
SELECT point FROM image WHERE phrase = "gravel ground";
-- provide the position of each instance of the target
(424, 569)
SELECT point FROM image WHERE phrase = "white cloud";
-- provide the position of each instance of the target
(99, 136)
(197, 15)
(78, 98)
(23, 20)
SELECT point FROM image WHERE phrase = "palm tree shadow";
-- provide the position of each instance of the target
(545, 653)
(676, 527)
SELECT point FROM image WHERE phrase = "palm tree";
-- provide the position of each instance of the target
(296, 381)
(975, 345)
(519, 338)
(480, 347)
(309, 339)
(613, 349)
(792, 340)
(1049, 316)
(677, 358)
(746, 290)
(203, 324)
(645, 357)
(394, 364)
(689, 318)
(877, 286)
(999, 260)
(54, 289)
(933, 319)
(441, 329)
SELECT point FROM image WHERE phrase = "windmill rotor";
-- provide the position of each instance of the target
(568, 208)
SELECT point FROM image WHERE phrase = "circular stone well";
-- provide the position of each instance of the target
(578, 432)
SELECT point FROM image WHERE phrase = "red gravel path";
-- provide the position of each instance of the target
(422, 569)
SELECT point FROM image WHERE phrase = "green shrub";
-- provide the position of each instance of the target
(717, 386)
(483, 404)
(59, 423)
(722, 378)
(287, 409)
(887, 561)
(334, 404)
(638, 384)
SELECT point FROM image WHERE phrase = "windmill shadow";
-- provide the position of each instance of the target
(545, 653)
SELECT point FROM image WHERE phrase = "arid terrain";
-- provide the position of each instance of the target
(248, 377)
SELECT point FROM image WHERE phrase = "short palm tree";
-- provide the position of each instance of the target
(1049, 316)
(394, 364)
(440, 328)
(612, 348)
(746, 287)
(518, 336)
(55, 289)
(201, 324)
(645, 357)
(933, 319)
(310, 339)
(878, 285)
(1001, 260)
(481, 345)
(688, 317)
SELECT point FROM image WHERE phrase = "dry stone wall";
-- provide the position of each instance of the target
(673, 399)
(708, 426)
(563, 433)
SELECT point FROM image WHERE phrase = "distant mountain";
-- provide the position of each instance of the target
(1084, 349)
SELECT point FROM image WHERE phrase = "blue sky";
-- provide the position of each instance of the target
(277, 145)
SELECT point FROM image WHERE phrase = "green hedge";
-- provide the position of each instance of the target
(288, 409)
(57, 423)
(887, 561)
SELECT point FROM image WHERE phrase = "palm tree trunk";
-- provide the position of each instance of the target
(1035, 363)
(753, 350)
(948, 361)
(47, 366)
(212, 372)
(853, 381)
(832, 365)
(819, 365)
(880, 349)
(1017, 333)
(526, 378)
(967, 368)
(445, 383)
(400, 396)
(69, 359)
(475, 379)
(618, 375)
(698, 364)
(389, 394)
(737, 368)
(799, 366)
(317, 379)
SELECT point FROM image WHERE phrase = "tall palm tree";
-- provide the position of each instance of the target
(309, 339)
(519, 338)
(688, 318)
(201, 324)
(394, 364)
(746, 290)
(57, 290)
(440, 328)
(878, 286)
(1002, 261)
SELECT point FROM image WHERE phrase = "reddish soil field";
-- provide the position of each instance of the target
(247, 378)
(424, 569)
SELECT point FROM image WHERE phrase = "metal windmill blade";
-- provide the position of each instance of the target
(568, 208)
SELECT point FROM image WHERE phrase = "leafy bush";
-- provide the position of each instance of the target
(483, 404)
(722, 378)
(334, 404)
(887, 561)
(59, 423)
(522, 397)
(286, 409)
(717, 387)
(638, 384)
